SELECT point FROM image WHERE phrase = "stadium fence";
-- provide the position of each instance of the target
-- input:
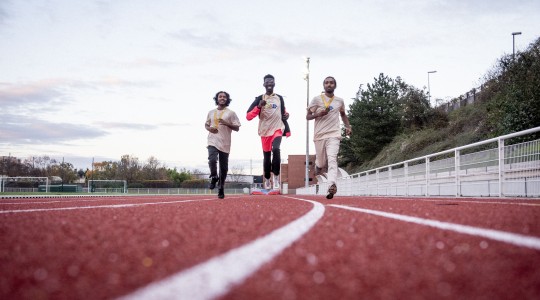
(498, 167)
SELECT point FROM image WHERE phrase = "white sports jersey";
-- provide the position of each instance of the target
(222, 139)
(328, 126)
(270, 117)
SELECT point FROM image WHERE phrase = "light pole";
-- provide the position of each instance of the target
(428, 87)
(306, 78)
(514, 43)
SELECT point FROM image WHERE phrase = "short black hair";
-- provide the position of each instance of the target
(226, 94)
(268, 76)
(330, 77)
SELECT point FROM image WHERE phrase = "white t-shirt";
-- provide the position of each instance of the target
(222, 139)
(328, 126)
(270, 118)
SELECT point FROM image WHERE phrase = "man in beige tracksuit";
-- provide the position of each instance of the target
(327, 109)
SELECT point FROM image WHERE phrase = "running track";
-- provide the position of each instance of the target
(269, 247)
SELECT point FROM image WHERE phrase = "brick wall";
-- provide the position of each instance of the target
(294, 172)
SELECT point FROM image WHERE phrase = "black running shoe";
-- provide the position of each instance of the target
(331, 191)
(221, 194)
(213, 181)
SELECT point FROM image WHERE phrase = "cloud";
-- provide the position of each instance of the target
(26, 95)
(137, 126)
(3, 11)
(23, 104)
(200, 39)
(48, 93)
(275, 45)
(148, 62)
(270, 45)
(110, 82)
(16, 129)
(130, 126)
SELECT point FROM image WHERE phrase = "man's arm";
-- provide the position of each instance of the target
(210, 128)
(345, 119)
(255, 108)
(230, 125)
(313, 115)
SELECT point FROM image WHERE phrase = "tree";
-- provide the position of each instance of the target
(236, 174)
(178, 177)
(415, 109)
(153, 170)
(513, 91)
(128, 168)
(375, 118)
(103, 171)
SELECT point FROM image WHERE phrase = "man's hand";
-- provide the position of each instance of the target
(223, 122)
(324, 112)
(262, 103)
(285, 116)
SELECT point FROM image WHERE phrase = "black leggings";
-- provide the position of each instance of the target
(272, 160)
(213, 156)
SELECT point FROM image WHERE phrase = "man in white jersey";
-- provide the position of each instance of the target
(220, 122)
(270, 108)
(327, 109)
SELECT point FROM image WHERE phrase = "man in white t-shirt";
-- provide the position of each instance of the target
(326, 109)
(220, 122)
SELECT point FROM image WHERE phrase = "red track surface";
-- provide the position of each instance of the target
(109, 247)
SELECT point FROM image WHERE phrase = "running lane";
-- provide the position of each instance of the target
(363, 254)
(105, 248)
(345, 248)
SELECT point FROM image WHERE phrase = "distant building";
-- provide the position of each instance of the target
(293, 173)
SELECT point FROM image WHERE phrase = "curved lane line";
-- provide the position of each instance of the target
(217, 276)
(501, 236)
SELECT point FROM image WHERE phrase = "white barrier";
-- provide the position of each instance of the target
(491, 168)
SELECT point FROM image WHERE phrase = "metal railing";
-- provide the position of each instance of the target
(490, 168)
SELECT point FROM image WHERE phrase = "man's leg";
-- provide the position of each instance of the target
(332, 149)
(212, 163)
(267, 162)
(267, 167)
(223, 170)
(320, 157)
(276, 161)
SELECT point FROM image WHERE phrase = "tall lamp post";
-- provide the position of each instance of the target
(428, 87)
(514, 43)
(306, 78)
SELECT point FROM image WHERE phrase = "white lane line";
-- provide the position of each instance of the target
(501, 236)
(91, 200)
(217, 276)
(532, 202)
(99, 206)
(479, 201)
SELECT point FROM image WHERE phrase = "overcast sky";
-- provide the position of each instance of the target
(101, 79)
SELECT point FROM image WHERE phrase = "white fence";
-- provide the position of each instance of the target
(5, 179)
(498, 167)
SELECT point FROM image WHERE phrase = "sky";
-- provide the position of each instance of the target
(96, 79)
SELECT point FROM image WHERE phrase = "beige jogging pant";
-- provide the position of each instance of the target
(326, 152)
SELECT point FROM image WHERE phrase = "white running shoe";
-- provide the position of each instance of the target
(267, 184)
(276, 182)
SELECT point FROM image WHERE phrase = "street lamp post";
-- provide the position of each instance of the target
(306, 77)
(514, 43)
(428, 87)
